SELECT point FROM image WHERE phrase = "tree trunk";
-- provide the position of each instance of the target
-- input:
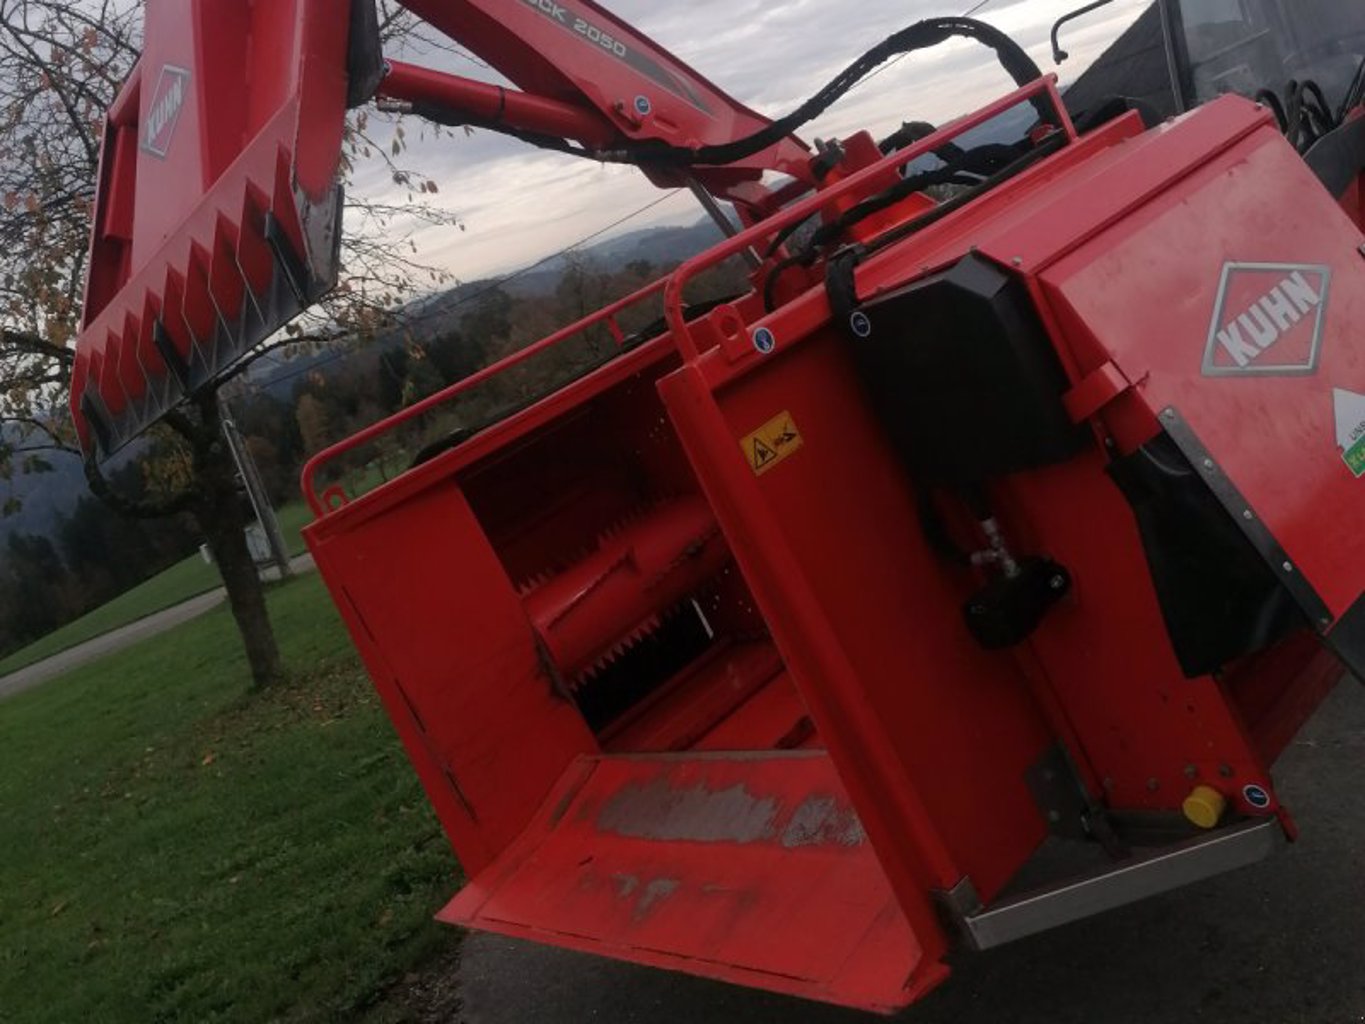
(221, 516)
(217, 504)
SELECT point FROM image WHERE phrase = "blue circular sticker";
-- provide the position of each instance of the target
(642, 106)
(860, 324)
(1256, 796)
(764, 340)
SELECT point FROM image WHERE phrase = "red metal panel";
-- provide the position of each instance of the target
(226, 97)
(1261, 429)
(840, 506)
(775, 718)
(480, 719)
(1105, 651)
(683, 715)
(751, 869)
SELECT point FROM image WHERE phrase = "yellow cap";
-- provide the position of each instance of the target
(1205, 806)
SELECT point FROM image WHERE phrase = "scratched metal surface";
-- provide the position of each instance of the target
(748, 868)
(1279, 943)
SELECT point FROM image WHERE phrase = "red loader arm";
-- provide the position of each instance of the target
(217, 214)
(590, 77)
(218, 210)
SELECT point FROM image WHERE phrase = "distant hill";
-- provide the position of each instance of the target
(661, 247)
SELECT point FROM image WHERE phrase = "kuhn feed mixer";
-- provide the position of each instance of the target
(1019, 500)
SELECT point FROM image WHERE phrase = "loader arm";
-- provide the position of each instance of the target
(217, 216)
(622, 86)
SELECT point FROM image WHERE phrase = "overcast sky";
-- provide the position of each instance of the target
(519, 204)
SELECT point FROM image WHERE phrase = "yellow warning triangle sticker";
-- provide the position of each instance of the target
(762, 454)
(771, 444)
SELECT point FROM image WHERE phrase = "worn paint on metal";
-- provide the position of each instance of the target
(655, 810)
(645, 896)
(659, 812)
(655, 892)
(792, 899)
(821, 820)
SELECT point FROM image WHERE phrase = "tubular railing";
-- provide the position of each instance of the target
(672, 286)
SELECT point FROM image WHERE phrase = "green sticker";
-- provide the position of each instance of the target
(1349, 408)
(1355, 458)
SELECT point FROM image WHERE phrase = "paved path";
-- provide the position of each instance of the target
(1279, 943)
(126, 636)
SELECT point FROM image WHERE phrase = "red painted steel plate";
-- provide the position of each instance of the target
(1243, 312)
(748, 868)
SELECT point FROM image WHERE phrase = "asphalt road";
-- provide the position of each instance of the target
(126, 636)
(1279, 943)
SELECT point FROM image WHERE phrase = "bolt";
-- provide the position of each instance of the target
(1362, 250)
(1018, 261)
(1288, 567)
(1169, 414)
(1208, 464)
(1248, 515)
(1057, 582)
(1225, 770)
(1191, 772)
(1054, 816)
(1153, 785)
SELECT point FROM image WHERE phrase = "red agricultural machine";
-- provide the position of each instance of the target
(1017, 503)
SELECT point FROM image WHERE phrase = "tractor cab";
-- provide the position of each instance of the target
(1265, 47)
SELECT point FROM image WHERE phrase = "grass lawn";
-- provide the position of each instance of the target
(176, 848)
(178, 583)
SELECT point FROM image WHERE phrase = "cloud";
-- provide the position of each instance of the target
(518, 204)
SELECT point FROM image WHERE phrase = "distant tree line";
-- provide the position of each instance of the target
(90, 557)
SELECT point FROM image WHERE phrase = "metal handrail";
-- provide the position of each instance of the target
(673, 284)
(606, 314)
(678, 280)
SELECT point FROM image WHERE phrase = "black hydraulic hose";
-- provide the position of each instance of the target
(811, 252)
(1042, 150)
(1303, 114)
(920, 36)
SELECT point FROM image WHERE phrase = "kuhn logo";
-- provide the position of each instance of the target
(164, 110)
(1268, 320)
